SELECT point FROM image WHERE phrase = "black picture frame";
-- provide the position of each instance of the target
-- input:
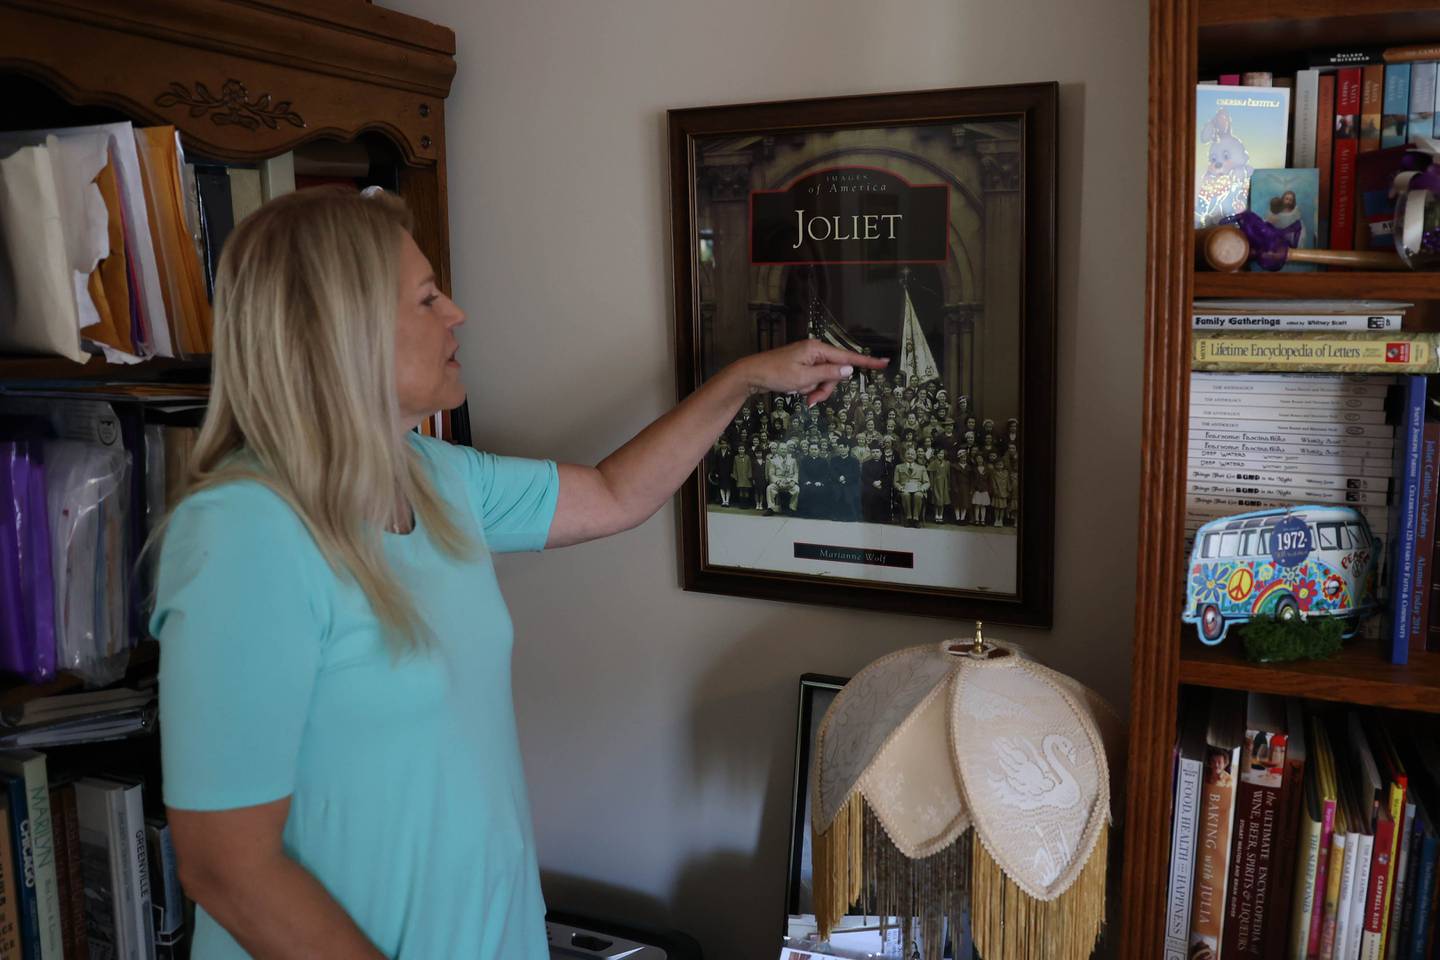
(1020, 162)
(817, 690)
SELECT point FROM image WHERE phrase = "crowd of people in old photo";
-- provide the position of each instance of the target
(878, 451)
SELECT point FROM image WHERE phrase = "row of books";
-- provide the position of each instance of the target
(223, 194)
(1281, 432)
(82, 484)
(1301, 831)
(113, 236)
(1343, 125)
(83, 871)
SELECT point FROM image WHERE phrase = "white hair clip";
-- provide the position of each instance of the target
(371, 192)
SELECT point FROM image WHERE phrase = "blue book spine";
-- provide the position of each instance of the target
(1434, 127)
(1424, 536)
(1422, 98)
(1396, 105)
(1421, 928)
(1402, 540)
(24, 867)
(1401, 934)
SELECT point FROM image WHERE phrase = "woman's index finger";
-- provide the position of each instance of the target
(833, 354)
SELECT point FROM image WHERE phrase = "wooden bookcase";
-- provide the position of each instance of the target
(256, 78)
(1186, 38)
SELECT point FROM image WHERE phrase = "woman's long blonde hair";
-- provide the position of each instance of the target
(303, 387)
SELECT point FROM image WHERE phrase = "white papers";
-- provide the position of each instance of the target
(77, 161)
(39, 313)
(138, 242)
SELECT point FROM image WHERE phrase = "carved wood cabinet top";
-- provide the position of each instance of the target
(243, 80)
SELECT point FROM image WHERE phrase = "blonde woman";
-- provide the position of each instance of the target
(341, 765)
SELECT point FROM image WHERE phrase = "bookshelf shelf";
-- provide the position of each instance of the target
(1282, 32)
(144, 655)
(1360, 674)
(1215, 12)
(1336, 284)
(31, 369)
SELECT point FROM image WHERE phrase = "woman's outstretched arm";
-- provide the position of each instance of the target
(628, 486)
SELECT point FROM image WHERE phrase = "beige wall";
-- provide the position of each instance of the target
(658, 725)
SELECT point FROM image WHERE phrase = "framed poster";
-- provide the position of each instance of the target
(918, 227)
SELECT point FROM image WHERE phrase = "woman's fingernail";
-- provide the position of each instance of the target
(846, 370)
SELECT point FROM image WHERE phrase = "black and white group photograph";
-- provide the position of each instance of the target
(876, 452)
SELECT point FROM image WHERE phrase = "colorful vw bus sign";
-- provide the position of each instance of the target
(1296, 562)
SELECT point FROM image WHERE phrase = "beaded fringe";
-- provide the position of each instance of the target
(1008, 923)
(837, 874)
(856, 863)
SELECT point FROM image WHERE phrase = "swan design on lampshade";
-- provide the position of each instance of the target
(1031, 781)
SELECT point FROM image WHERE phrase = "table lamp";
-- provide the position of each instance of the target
(966, 773)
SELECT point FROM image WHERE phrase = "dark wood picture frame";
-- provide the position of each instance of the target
(1035, 107)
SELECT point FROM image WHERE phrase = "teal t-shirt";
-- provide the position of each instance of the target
(408, 799)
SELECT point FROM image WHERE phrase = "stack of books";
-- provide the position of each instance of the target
(1301, 831)
(1294, 403)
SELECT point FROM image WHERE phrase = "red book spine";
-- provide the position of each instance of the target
(1324, 147)
(1379, 876)
(1347, 144)
(1372, 102)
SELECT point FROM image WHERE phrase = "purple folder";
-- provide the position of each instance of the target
(27, 588)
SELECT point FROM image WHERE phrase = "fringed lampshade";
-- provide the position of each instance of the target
(965, 773)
